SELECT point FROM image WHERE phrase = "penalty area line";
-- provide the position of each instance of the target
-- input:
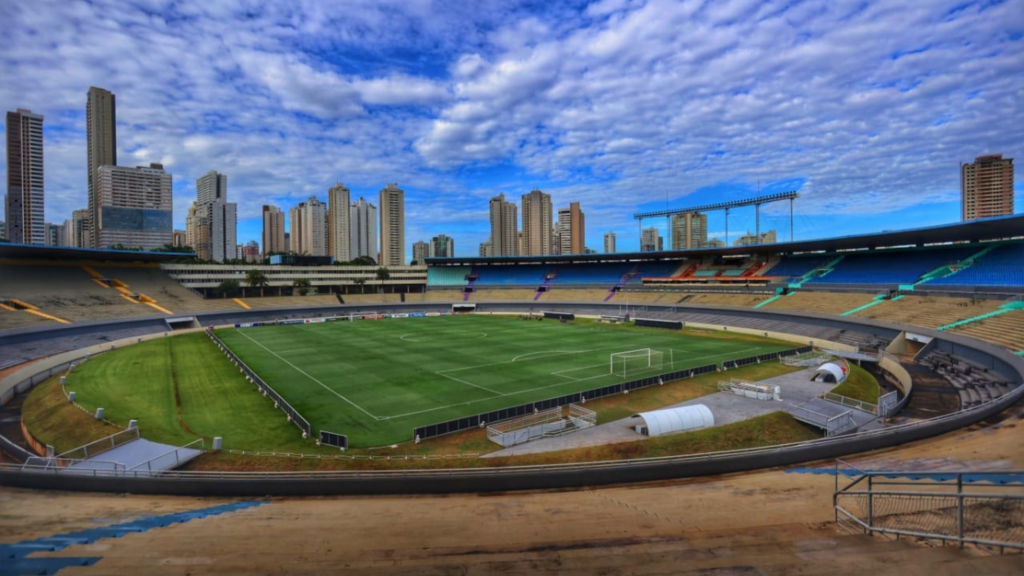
(304, 373)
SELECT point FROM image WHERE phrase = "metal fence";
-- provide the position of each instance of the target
(653, 323)
(730, 364)
(984, 509)
(279, 402)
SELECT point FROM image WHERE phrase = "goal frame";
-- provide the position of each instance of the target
(638, 353)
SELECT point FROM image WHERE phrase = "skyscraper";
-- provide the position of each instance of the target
(74, 228)
(55, 235)
(101, 146)
(273, 231)
(217, 216)
(441, 246)
(133, 207)
(309, 228)
(572, 228)
(986, 187)
(24, 205)
(609, 242)
(536, 223)
(420, 251)
(504, 227)
(392, 226)
(363, 229)
(650, 240)
(689, 230)
(338, 220)
(750, 239)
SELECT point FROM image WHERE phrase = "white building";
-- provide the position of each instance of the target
(362, 230)
(309, 228)
(338, 220)
(134, 207)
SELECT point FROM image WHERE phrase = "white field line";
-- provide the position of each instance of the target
(442, 337)
(468, 383)
(299, 350)
(326, 387)
(514, 359)
(531, 389)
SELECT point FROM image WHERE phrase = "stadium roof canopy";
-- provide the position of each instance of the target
(999, 228)
(36, 252)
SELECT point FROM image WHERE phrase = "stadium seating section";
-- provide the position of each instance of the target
(1005, 329)
(566, 274)
(929, 311)
(820, 302)
(794, 267)
(1003, 266)
(896, 267)
(447, 275)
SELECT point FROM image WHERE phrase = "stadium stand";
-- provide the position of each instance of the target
(795, 267)
(726, 299)
(573, 295)
(447, 275)
(1002, 266)
(276, 301)
(67, 292)
(821, 302)
(974, 383)
(510, 275)
(11, 318)
(891, 267)
(929, 311)
(496, 295)
(168, 294)
(1005, 329)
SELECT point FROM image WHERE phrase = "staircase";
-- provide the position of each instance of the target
(819, 271)
(944, 271)
(1005, 308)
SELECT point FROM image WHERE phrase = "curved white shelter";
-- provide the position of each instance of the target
(671, 420)
(830, 372)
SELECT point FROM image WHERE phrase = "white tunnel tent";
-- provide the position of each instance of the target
(830, 372)
(672, 420)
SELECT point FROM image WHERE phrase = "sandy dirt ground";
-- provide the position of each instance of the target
(763, 523)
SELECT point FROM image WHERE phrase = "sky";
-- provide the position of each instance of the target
(865, 108)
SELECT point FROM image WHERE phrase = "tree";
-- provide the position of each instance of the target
(361, 282)
(175, 248)
(256, 279)
(228, 288)
(302, 285)
(363, 261)
(383, 274)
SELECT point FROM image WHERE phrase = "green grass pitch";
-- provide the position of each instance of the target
(378, 380)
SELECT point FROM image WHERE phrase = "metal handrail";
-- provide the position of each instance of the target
(149, 463)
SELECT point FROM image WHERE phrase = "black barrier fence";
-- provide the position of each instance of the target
(730, 364)
(333, 439)
(560, 315)
(486, 418)
(293, 414)
(652, 323)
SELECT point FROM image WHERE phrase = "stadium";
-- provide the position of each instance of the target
(128, 372)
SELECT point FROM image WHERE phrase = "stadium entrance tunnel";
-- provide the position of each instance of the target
(830, 373)
(673, 420)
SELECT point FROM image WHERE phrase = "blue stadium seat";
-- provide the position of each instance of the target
(797, 266)
(1003, 266)
(891, 267)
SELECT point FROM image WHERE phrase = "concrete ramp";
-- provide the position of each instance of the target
(138, 456)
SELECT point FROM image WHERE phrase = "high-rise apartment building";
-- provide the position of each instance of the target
(441, 246)
(689, 231)
(55, 235)
(273, 231)
(750, 239)
(420, 252)
(392, 226)
(651, 240)
(251, 251)
(338, 220)
(572, 229)
(309, 228)
(133, 207)
(486, 249)
(986, 187)
(74, 228)
(3, 230)
(504, 227)
(362, 229)
(178, 238)
(101, 147)
(609, 242)
(537, 224)
(217, 219)
(24, 203)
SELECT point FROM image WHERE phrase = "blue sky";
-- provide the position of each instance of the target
(866, 108)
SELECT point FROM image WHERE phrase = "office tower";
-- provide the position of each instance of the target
(74, 228)
(178, 238)
(193, 229)
(504, 227)
(363, 229)
(101, 147)
(986, 187)
(650, 240)
(273, 231)
(287, 241)
(441, 246)
(420, 252)
(54, 234)
(309, 228)
(609, 242)
(486, 249)
(689, 231)
(572, 229)
(24, 203)
(133, 207)
(339, 218)
(537, 225)
(392, 226)
(749, 239)
(218, 218)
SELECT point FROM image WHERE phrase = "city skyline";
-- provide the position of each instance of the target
(506, 99)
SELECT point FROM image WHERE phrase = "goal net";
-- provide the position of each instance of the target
(632, 362)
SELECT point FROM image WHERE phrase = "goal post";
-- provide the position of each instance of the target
(628, 363)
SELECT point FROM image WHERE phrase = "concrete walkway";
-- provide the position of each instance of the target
(727, 408)
(147, 455)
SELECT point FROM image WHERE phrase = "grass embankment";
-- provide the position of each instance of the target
(859, 385)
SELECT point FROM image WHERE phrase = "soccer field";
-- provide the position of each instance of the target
(377, 381)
